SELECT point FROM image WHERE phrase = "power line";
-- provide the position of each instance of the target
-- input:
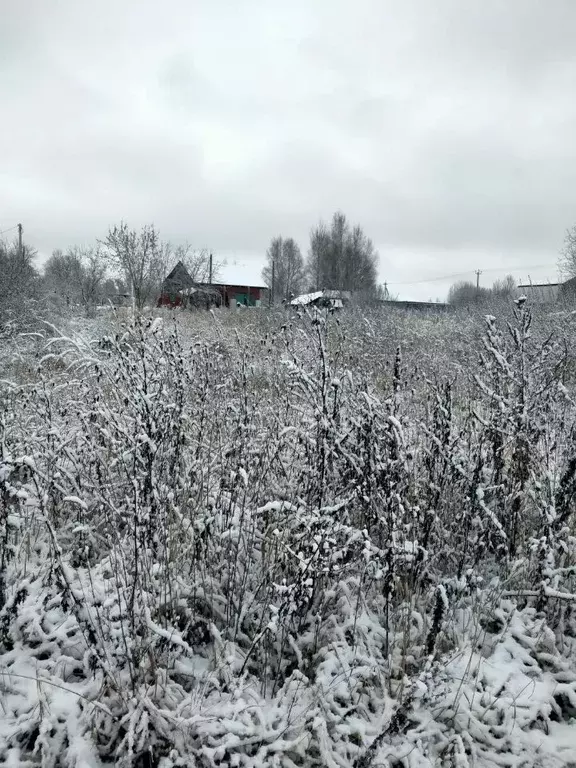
(434, 279)
(515, 269)
(3, 232)
(473, 272)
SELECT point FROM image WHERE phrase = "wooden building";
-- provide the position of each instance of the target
(179, 289)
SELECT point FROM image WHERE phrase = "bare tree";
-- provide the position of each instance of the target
(284, 272)
(339, 233)
(342, 258)
(63, 276)
(359, 270)
(19, 280)
(465, 292)
(504, 289)
(318, 256)
(140, 256)
(197, 263)
(93, 274)
(567, 260)
(78, 275)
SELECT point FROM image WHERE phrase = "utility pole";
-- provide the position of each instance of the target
(478, 273)
(273, 280)
(20, 240)
(210, 269)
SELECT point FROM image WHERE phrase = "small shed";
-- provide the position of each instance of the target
(330, 299)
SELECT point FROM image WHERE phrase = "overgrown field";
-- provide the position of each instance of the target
(270, 541)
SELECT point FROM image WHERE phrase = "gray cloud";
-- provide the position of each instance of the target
(445, 128)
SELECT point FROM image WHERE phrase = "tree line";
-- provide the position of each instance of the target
(126, 262)
(136, 262)
(340, 257)
(465, 293)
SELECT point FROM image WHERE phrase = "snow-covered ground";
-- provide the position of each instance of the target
(271, 539)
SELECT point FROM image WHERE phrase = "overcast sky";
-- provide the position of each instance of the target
(446, 128)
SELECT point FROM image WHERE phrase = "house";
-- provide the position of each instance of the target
(176, 287)
(327, 298)
(179, 289)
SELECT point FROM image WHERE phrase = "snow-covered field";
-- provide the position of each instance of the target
(257, 539)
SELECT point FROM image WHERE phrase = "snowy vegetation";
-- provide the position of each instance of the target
(255, 539)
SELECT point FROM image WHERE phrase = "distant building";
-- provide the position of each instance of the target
(541, 293)
(176, 282)
(179, 289)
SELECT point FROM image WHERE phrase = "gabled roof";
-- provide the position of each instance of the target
(179, 278)
(306, 298)
(239, 284)
(331, 295)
